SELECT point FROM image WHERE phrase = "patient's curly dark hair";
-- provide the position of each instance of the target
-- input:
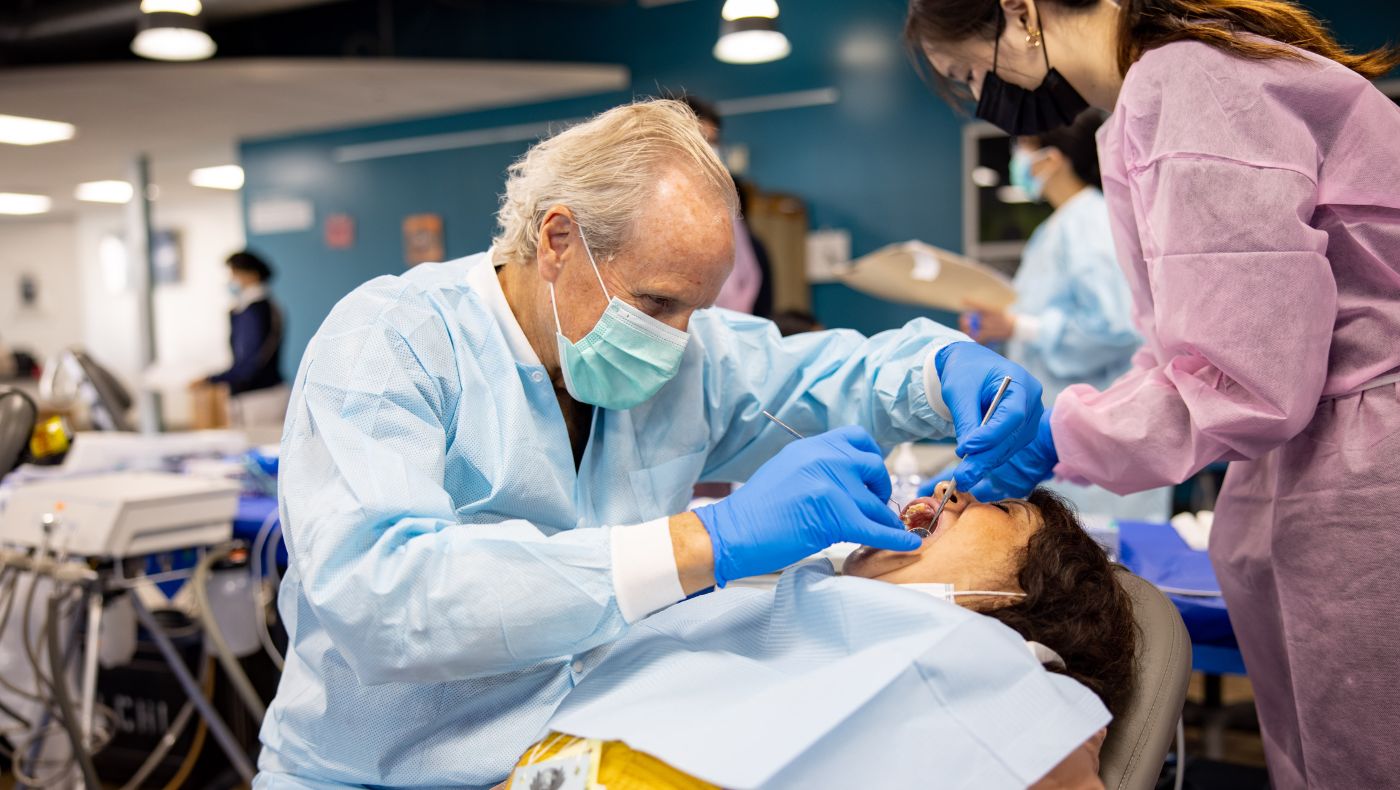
(1074, 604)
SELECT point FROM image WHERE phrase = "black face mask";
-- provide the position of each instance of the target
(1055, 103)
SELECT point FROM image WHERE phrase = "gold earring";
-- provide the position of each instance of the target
(1033, 37)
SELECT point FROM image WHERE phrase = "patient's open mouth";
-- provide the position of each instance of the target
(918, 514)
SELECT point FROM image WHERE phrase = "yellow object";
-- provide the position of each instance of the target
(50, 438)
(616, 765)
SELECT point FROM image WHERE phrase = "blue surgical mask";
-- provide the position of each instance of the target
(1021, 176)
(234, 289)
(625, 359)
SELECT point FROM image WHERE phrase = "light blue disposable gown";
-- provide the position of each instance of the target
(1070, 283)
(450, 573)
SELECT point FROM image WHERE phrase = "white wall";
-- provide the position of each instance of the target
(45, 250)
(79, 306)
(191, 317)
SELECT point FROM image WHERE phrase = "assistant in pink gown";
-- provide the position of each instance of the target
(1256, 211)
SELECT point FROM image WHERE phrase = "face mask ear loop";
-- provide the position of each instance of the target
(996, 42)
(555, 304)
(1044, 49)
(592, 262)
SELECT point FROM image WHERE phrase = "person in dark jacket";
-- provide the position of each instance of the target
(258, 393)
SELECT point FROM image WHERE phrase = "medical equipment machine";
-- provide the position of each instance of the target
(77, 539)
(952, 486)
(124, 514)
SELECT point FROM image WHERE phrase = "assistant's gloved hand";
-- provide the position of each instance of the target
(1028, 468)
(818, 491)
(970, 376)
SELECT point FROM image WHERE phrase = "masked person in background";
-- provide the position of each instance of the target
(258, 394)
(1072, 322)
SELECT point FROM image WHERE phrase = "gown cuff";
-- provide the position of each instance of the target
(645, 577)
(1026, 329)
(933, 387)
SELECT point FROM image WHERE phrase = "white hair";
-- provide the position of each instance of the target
(604, 170)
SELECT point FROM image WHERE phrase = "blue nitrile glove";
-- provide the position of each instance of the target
(816, 492)
(970, 375)
(1025, 470)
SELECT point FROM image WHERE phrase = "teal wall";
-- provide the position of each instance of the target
(882, 163)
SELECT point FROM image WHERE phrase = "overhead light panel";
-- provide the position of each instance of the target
(104, 192)
(19, 204)
(18, 130)
(172, 30)
(221, 177)
(748, 33)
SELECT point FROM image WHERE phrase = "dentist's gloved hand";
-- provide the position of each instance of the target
(1028, 468)
(970, 375)
(818, 491)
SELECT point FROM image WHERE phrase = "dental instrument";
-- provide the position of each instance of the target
(952, 482)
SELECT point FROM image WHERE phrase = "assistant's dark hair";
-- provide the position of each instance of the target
(795, 322)
(248, 262)
(703, 110)
(1077, 143)
(1074, 604)
(1147, 24)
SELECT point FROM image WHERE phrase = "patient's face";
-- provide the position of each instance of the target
(975, 546)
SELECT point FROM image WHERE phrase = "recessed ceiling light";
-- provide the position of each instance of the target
(18, 130)
(221, 177)
(104, 192)
(22, 205)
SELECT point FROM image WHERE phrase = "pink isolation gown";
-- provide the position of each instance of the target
(1256, 212)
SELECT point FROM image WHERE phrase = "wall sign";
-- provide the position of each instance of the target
(422, 239)
(280, 215)
(340, 231)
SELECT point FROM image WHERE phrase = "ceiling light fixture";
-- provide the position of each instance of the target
(748, 33)
(104, 192)
(18, 130)
(220, 177)
(19, 204)
(172, 30)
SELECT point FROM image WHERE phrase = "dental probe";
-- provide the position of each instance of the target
(782, 424)
(952, 482)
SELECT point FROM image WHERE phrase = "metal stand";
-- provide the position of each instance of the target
(216, 724)
(90, 651)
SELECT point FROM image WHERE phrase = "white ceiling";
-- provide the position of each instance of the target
(192, 115)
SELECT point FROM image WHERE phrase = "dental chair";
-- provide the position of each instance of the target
(1138, 740)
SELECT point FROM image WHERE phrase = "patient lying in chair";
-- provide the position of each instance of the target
(872, 678)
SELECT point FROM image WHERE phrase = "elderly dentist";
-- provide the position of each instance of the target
(487, 462)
